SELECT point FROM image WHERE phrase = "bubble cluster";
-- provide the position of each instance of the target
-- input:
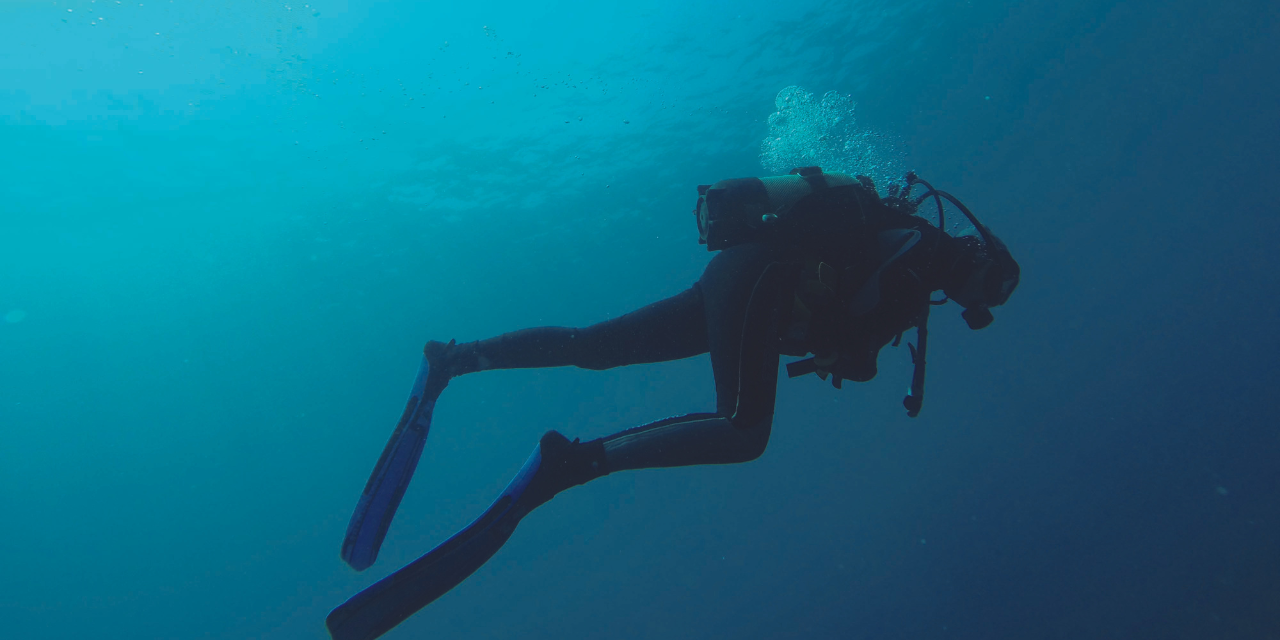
(808, 131)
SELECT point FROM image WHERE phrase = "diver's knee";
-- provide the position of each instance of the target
(753, 439)
(758, 445)
(751, 453)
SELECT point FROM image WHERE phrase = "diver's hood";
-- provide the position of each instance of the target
(986, 273)
(987, 276)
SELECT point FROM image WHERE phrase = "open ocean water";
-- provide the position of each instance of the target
(228, 227)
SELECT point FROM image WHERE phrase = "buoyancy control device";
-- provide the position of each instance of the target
(872, 264)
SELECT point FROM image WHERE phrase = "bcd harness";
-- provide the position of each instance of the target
(870, 271)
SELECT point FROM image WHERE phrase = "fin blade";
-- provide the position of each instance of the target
(390, 478)
(395, 598)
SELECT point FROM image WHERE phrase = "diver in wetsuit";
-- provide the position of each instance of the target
(738, 311)
(830, 268)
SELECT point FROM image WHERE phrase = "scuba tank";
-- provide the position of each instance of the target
(739, 210)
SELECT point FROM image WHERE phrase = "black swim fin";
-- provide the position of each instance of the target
(393, 599)
(390, 477)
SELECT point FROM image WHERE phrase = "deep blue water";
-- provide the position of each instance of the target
(227, 228)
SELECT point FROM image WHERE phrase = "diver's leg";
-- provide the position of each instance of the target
(745, 293)
(740, 296)
(669, 329)
(743, 314)
(736, 435)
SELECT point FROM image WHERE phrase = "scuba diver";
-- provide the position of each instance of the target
(810, 264)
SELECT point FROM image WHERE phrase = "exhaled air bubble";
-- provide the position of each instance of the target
(804, 131)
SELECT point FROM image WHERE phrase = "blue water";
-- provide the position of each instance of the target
(227, 228)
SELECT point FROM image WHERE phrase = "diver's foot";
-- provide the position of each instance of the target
(564, 464)
(437, 353)
(455, 359)
(449, 360)
(439, 356)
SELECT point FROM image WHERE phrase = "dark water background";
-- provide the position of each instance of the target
(226, 231)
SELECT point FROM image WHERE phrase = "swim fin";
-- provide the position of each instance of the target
(390, 478)
(555, 465)
(390, 601)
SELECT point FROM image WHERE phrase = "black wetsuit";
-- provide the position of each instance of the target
(711, 316)
(735, 311)
(839, 273)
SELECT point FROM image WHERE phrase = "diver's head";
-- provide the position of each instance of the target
(983, 275)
